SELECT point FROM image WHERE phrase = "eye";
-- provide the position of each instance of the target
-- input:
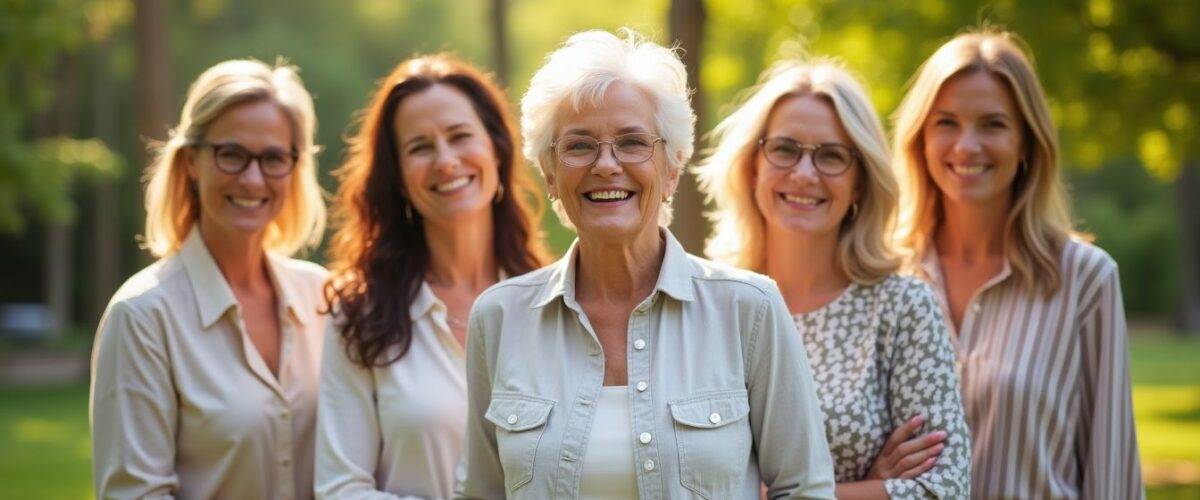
(579, 146)
(633, 141)
(418, 148)
(460, 136)
(834, 154)
(995, 124)
(944, 122)
(232, 154)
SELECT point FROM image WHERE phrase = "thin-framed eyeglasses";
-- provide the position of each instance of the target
(233, 159)
(582, 151)
(828, 158)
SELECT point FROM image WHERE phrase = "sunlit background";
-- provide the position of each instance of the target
(86, 83)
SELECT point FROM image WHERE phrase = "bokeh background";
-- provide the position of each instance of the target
(85, 84)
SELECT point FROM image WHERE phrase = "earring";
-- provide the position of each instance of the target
(666, 198)
(551, 197)
(854, 210)
(1023, 167)
(408, 215)
(499, 195)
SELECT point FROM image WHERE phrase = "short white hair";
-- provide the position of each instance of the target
(581, 72)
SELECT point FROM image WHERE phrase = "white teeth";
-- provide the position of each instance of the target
(246, 202)
(608, 195)
(968, 169)
(452, 185)
(803, 200)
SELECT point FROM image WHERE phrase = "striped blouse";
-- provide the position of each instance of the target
(1045, 383)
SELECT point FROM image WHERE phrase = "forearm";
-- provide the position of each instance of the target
(871, 489)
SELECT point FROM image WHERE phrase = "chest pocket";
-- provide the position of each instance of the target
(520, 421)
(714, 442)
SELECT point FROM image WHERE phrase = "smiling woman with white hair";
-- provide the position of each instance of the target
(630, 369)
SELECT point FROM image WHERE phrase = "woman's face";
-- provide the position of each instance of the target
(447, 161)
(973, 140)
(241, 204)
(804, 199)
(611, 199)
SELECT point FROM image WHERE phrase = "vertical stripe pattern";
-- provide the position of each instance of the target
(1045, 383)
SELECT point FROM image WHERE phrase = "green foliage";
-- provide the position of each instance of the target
(34, 35)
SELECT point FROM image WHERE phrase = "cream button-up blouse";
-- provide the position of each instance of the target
(183, 405)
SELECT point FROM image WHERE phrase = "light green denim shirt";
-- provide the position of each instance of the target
(720, 392)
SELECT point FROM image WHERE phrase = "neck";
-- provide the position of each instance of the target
(618, 272)
(240, 257)
(803, 266)
(971, 232)
(458, 253)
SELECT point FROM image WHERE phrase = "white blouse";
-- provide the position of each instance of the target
(608, 470)
(393, 431)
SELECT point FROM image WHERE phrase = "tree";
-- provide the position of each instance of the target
(686, 20)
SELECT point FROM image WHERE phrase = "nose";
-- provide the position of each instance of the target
(253, 172)
(446, 158)
(606, 163)
(806, 168)
(967, 141)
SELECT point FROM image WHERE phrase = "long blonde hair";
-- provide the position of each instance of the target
(1040, 220)
(172, 205)
(865, 252)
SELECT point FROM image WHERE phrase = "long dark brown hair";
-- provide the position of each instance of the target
(379, 257)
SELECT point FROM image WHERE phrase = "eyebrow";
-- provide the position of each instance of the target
(632, 129)
(996, 114)
(421, 137)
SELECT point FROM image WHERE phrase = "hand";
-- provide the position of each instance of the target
(906, 457)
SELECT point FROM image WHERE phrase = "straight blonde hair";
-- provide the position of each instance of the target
(172, 204)
(865, 252)
(1040, 222)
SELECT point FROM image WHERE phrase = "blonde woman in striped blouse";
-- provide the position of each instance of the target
(1035, 312)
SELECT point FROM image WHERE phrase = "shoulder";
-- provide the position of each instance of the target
(725, 281)
(1085, 261)
(154, 286)
(521, 289)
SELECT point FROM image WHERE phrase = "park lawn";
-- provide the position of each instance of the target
(45, 451)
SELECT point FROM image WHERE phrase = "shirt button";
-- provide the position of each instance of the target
(648, 465)
(715, 418)
(512, 419)
(645, 438)
(286, 462)
(285, 414)
(639, 344)
(641, 386)
(976, 307)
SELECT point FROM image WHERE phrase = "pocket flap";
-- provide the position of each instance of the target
(711, 410)
(518, 413)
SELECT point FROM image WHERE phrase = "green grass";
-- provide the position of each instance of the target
(45, 450)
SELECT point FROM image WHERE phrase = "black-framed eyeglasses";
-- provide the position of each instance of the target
(233, 158)
(581, 151)
(829, 158)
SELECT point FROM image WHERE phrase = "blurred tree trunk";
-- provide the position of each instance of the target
(153, 79)
(499, 22)
(106, 263)
(58, 274)
(1187, 191)
(686, 21)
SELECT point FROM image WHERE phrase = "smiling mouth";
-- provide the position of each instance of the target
(246, 202)
(801, 200)
(448, 186)
(608, 195)
(968, 169)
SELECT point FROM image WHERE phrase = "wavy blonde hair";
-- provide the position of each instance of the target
(172, 205)
(1040, 221)
(864, 251)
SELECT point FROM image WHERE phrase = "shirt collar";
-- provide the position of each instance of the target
(931, 270)
(213, 294)
(423, 302)
(674, 275)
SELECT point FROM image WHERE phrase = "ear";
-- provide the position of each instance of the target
(187, 155)
(548, 174)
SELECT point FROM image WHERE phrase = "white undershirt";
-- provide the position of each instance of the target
(608, 464)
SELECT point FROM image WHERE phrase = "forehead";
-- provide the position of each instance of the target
(623, 108)
(258, 123)
(976, 91)
(804, 115)
(437, 106)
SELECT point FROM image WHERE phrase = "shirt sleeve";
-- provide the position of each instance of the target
(785, 419)
(480, 475)
(348, 436)
(1107, 441)
(922, 381)
(134, 409)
